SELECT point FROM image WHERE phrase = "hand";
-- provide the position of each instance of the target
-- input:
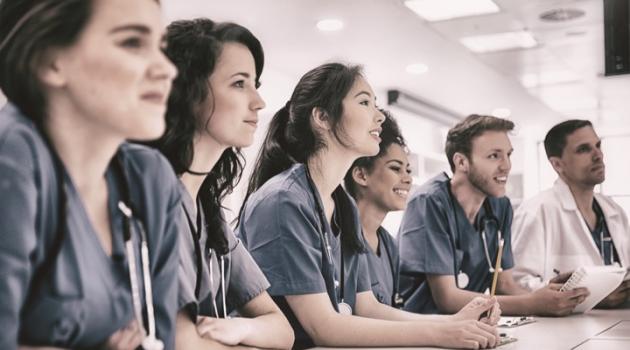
(561, 278)
(467, 334)
(617, 297)
(550, 301)
(476, 307)
(226, 331)
(128, 338)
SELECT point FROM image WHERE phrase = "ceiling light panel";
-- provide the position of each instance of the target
(440, 10)
(499, 41)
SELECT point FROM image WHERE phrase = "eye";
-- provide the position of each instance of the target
(408, 171)
(395, 168)
(365, 102)
(239, 84)
(134, 42)
(493, 156)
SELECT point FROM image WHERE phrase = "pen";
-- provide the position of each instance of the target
(495, 276)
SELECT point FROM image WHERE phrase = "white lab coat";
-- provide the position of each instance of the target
(549, 232)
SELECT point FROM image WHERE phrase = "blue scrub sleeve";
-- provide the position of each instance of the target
(364, 282)
(164, 262)
(186, 271)
(283, 238)
(17, 224)
(507, 260)
(425, 245)
(247, 281)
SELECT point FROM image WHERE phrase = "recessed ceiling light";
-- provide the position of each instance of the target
(329, 25)
(499, 41)
(439, 10)
(501, 112)
(532, 80)
(417, 68)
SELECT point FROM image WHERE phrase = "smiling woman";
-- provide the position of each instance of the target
(380, 184)
(81, 77)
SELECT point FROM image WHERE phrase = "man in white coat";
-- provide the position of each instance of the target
(568, 225)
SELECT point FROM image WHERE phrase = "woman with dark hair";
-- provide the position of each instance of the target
(380, 184)
(303, 229)
(86, 253)
(212, 113)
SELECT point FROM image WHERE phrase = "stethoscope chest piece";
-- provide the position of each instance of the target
(152, 343)
(344, 308)
(462, 280)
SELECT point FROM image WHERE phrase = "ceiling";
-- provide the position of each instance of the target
(385, 37)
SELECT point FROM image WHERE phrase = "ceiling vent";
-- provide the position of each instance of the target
(561, 15)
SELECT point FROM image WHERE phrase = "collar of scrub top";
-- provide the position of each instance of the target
(196, 235)
(322, 231)
(488, 218)
(150, 342)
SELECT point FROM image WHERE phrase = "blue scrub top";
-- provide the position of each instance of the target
(281, 229)
(383, 266)
(86, 295)
(435, 237)
(243, 279)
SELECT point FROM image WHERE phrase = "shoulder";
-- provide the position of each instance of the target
(21, 144)
(434, 191)
(543, 201)
(287, 188)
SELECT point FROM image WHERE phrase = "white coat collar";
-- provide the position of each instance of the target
(568, 202)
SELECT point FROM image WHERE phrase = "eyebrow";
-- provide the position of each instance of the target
(363, 93)
(132, 27)
(243, 74)
(500, 150)
(400, 162)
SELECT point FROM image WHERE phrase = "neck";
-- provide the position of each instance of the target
(206, 155)
(371, 219)
(327, 170)
(73, 137)
(467, 195)
(583, 196)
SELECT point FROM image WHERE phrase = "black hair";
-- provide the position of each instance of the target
(291, 139)
(28, 29)
(390, 135)
(461, 136)
(194, 46)
(556, 138)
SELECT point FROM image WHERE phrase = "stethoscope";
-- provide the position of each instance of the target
(462, 278)
(196, 234)
(131, 225)
(342, 307)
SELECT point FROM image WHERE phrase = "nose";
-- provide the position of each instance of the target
(257, 102)
(380, 117)
(598, 155)
(406, 178)
(506, 164)
(163, 68)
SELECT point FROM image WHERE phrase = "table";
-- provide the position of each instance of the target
(598, 329)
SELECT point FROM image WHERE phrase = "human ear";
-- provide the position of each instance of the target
(320, 118)
(359, 175)
(461, 162)
(50, 69)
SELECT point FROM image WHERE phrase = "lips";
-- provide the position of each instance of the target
(376, 133)
(252, 122)
(502, 180)
(401, 192)
(155, 97)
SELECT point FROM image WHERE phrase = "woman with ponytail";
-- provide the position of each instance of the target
(212, 113)
(304, 232)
